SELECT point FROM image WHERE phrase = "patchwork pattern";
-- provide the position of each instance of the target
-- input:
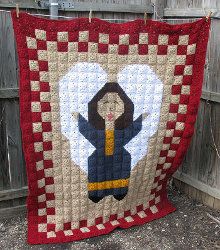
(107, 114)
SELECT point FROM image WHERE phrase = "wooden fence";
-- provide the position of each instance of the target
(201, 168)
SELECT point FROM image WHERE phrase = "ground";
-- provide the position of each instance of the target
(192, 226)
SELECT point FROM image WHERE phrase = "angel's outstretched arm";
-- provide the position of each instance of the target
(86, 129)
(134, 128)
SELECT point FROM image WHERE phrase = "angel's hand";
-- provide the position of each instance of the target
(144, 116)
(75, 116)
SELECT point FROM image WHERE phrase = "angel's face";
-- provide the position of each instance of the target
(110, 107)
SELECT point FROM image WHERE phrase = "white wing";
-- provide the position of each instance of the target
(145, 89)
(76, 89)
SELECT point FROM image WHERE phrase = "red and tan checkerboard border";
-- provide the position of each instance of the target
(179, 128)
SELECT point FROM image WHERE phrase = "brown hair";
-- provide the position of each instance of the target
(123, 121)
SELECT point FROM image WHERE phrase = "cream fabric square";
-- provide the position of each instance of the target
(42, 55)
(143, 38)
(31, 43)
(35, 86)
(39, 165)
(40, 34)
(191, 49)
(33, 65)
(185, 90)
(103, 38)
(45, 96)
(37, 127)
(35, 107)
(183, 40)
(41, 183)
(62, 36)
(83, 36)
(163, 39)
(44, 76)
(124, 39)
(182, 109)
(188, 70)
(38, 146)
(42, 228)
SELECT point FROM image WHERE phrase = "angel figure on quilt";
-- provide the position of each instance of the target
(109, 128)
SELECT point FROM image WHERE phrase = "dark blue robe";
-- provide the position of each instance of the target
(103, 167)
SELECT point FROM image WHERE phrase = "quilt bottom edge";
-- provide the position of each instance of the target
(165, 207)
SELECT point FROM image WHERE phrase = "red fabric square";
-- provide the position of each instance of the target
(47, 146)
(173, 39)
(176, 89)
(50, 227)
(187, 80)
(179, 70)
(83, 47)
(67, 226)
(182, 50)
(94, 37)
(102, 48)
(41, 45)
(153, 38)
(174, 108)
(43, 65)
(44, 87)
(38, 137)
(190, 59)
(83, 223)
(36, 117)
(51, 36)
(162, 49)
(34, 76)
(123, 49)
(171, 124)
(45, 107)
(98, 220)
(62, 46)
(35, 96)
(32, 53)
(113, 38)
(184, 99)
(73, 36)
(133, 39)
(46, 126)
(142, 49)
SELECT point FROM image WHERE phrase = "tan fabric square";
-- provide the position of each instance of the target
(124, 39)
(51, 46)
(41, 198)
(45, 96)
(93, 47)
(172, 50)
(62, 36)
(113, 49)
(161, 59)
(143, 38)
(166, 165)
(182, 109)
(51, 234)
(83, 36)
(185, 90)
(42, 211)
(41, 182)
(42, 228)
(72, 46)
(169, 132)
(175, 99)
(35, 107)
(38, 146)
(178, 80)
(180, 126)
(133, 49)
(47, 155)
(152, 50)
(31, 43)
(44, 76)
(163, 39)
(40, 34)
(183, 40)
(180, 59)
(47, 136)
(176, 140)
(33, 65)
(46, 116)
(37, 127)
(191, 49)
(35, 86)
(42, 55)
(103, 38)
(171, 153)
(39, 165)
(188, 70)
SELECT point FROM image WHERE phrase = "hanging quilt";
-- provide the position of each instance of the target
(107, 113)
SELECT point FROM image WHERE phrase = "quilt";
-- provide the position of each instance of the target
(107, 112)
